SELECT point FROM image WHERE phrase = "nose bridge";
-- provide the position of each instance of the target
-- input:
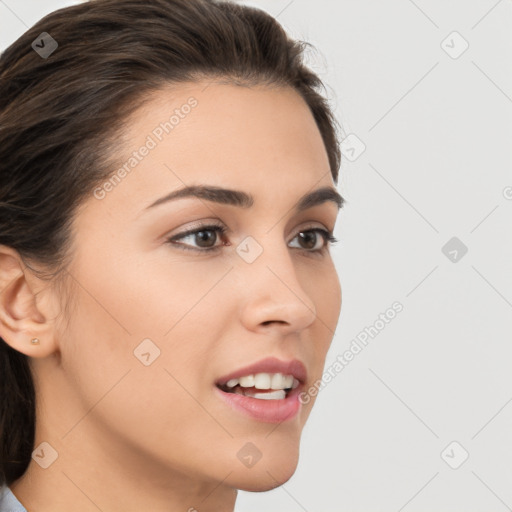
(275, 291)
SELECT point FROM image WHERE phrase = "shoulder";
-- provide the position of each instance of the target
(9, 502)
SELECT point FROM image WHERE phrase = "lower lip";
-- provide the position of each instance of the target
(270, 411)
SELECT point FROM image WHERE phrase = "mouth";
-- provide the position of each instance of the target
(261, 386)
(266, 391)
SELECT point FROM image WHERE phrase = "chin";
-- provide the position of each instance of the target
(267, 474)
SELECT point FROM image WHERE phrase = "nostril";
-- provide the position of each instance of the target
(272, 321)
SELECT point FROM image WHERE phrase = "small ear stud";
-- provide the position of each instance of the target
(35, 341)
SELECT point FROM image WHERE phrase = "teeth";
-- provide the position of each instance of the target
(276, 381)
(232, 383)
(262, 381)
(247, 381)
(279, 394)
(288, 381)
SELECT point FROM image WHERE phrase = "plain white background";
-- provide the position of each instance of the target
(421, 418)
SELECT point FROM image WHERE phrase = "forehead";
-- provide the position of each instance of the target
(211, 119)
(228, 120)
(259, 139)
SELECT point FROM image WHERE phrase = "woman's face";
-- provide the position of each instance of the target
(157, 325)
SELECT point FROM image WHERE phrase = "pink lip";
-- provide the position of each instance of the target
(269, 365)
(271, 411)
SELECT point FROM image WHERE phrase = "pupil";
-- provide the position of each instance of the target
(311, 237)
(203, 238)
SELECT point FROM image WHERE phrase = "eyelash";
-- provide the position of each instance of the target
(328, 237)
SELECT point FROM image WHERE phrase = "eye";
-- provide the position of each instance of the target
(310, 238)
(205, 236)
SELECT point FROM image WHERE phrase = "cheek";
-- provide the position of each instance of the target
(143, 294)
(146, 406)
(146, 310)
(325, 292)
(322, 285)
(331, 292)
(126, 313)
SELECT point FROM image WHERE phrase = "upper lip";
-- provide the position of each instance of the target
(269, 365)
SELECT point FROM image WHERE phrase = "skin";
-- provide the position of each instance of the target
(134, 437)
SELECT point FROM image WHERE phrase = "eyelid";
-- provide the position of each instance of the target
(200, 225)
(204, 224)
(325, 233)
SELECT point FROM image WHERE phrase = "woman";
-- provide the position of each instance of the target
(145, 365)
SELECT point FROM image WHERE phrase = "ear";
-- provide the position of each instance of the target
(26, 308)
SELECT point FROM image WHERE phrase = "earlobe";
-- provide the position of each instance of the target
(23, 326)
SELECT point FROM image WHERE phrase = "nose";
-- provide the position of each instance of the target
(272, 294)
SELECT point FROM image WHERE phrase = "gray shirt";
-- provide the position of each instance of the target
(9, 502)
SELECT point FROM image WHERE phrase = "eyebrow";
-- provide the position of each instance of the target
(244, 200)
